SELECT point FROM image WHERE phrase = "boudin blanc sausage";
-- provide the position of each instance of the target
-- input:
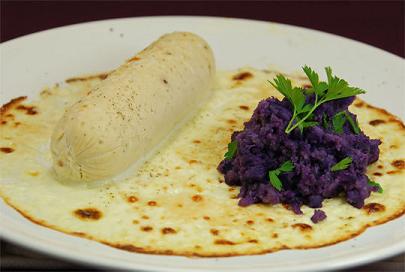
(133, 109)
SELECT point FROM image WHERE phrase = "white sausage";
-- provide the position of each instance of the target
(133, 109)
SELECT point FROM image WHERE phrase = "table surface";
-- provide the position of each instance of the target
(377, 23)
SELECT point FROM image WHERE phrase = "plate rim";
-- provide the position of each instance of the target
(6, 43)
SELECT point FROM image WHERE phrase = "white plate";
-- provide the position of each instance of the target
(31, 62)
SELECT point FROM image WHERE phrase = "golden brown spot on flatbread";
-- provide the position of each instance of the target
(243, 107)
(152, 203)
(30, 110)
(88, 214)
(269, 219)
(378, 174)
(145, 217)
(197, 198)
(197, 141)
(393, 146)
(78, 233)
(380, 166)
(146, 228)
(180, 205)
(130, 248)
(287, 207)
(396, 121)
(135, 221)
(231, 121)
(274, 235)
(206, 217)
(253, 241)
(302, 227)
(168, 230)
(359, 104)
(376, 122)
(4, 122)
(373, 208)
(242, 76)
(134, 59)
(231, 189)
(132, 199)
(85, 78)
(214, 232)
(224, 242)
(250, 222)
(16, 124)
(6, 149)
(400, 164)
(165, 81)
(192, 161)
(33, 173)
(9, 105)
(393, 172)
(60, 163)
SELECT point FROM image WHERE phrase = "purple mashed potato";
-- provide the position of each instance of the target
(318, 216)
(263, 145)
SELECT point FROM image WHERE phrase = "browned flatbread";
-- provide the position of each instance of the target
(177, 202)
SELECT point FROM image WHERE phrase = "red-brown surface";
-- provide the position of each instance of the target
(379, 23)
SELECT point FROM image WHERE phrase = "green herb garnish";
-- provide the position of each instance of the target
(334, 88)
(232, 148)
(343, 164)
(375, 184)
(273, 174)
(353, 123)
(325, 121)
(338, 121)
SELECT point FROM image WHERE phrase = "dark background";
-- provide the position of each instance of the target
(379, 23)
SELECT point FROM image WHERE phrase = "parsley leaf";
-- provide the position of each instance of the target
(375, 184)
(303, 125)
(334, 88)
(325, 121)
(338, 121)
(275, 181)
(287, 166)
(232, 148)
(343, 164)
(353, 123)
(317, 87)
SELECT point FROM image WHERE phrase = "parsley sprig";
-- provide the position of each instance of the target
(275, 181)
(339, 120)
(334, 88)
(375, 184)
(232, 148)
(342, 165)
